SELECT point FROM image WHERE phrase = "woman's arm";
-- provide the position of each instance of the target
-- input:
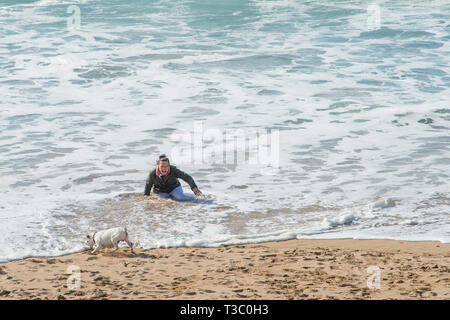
(185, 177)
(149, 184)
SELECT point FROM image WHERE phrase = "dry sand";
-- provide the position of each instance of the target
(294, 269)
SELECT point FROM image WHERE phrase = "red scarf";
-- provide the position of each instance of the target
(158, 173)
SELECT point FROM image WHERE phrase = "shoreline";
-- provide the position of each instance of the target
(123, 246)
(289, 269)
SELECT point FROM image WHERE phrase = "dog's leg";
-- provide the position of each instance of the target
(114, 243)
(96, 248)
(130, 244)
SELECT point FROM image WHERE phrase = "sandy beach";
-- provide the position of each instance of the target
(294, 269)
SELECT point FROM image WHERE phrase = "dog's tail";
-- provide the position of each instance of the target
(126, 232)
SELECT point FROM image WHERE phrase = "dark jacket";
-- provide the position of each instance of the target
(167, 183)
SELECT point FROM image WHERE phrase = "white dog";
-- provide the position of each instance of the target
(109, 239)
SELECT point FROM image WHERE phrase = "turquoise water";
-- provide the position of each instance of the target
(355, 95)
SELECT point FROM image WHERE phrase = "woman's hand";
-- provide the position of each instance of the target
(197, 192)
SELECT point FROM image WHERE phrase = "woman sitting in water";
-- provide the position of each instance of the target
(164, 180)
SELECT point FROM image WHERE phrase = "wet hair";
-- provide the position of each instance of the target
(162, 157)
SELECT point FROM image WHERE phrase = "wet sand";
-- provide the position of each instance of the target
(294, 269)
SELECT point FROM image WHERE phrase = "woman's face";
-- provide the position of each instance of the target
(163, 167)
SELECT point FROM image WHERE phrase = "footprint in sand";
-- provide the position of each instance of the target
(36, 260)
(4, 293)
(98, 293)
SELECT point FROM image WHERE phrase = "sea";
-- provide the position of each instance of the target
(296, 119)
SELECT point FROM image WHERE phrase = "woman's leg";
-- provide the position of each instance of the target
(164, 195)
(178, 194)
